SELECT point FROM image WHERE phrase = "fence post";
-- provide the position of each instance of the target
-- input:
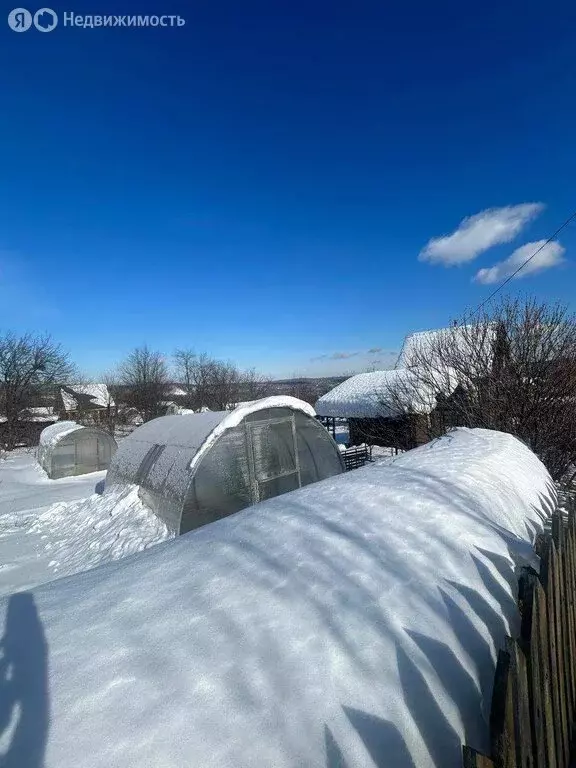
(502, 735)
(521, 705)
(549, 575)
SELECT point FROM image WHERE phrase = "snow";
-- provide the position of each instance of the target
(55, 432)
(352, 622)
(35, 414)
(235, 417)
(176, 391)
(51, 528)
(381, 394)
(39, 414)
(98, 393)
(241, 404)
(85, 533)
(425, 343)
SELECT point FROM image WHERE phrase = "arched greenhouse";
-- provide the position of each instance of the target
(196, 468)
(67, 448)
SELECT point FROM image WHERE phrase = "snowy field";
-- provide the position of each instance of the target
(354, 623)
(52, 528)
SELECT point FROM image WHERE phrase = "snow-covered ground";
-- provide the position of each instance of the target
(354, 622)
(52, 528)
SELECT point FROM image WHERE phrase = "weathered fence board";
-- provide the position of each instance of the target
(521, 704)
(533, 715)
(473, 759)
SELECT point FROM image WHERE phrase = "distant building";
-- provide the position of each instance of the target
(175, 391)
(81, 401)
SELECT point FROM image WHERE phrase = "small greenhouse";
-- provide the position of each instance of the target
(196, 468)
(67, 448)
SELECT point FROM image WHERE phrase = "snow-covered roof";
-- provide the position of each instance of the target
(235, 417)
(83, 395)
(176, 391)
(192, 430)
(39, 414)
(353, 622)
(459, 337)
(184, 431)
(381, 394)
(55, 432)
(241, 404)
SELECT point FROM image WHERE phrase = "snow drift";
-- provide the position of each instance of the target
(354, 622)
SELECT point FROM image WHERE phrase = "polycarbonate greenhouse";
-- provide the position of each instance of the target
(193, 469)
(67, 448)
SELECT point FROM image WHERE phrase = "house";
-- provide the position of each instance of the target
(86, 401)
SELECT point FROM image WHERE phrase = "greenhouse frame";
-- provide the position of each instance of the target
(196, 468)
(67, 448)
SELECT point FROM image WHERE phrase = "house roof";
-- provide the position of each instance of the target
(86, 396)
(385, 394)
(424, 343)
(39, 414)
(176, 391)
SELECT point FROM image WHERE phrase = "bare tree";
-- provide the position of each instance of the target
(144, 375)
(254, 385)
(30, 366)
(512, 368)
(307, 389)
(194, 372)
(216, 384)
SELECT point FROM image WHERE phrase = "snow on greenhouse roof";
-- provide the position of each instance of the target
(184, 430)
(80, 395)
(55, 432)
(353, 622)
(233, 418)
(380, 394)
(198, 431)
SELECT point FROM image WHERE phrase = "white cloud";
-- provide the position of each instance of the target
(476, 234)
(550, 255)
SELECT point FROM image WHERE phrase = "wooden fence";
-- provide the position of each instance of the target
(356, 456)
(533, 710)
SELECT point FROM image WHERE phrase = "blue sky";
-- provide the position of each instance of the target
(259, 183)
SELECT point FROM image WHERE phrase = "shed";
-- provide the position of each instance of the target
(390, 408)
(196, 468)
(67, 448)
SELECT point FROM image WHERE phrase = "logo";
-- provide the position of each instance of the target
(45, 20)
(20, 20)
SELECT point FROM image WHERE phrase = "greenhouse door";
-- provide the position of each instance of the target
(86, 455)
(274, 458)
